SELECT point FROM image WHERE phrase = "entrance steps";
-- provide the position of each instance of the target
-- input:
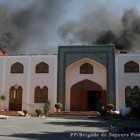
(87, 114)
(73, 114)
(11, 113)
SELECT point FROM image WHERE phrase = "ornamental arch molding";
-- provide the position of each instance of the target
(103, 54)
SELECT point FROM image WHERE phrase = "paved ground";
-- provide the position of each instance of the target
(45, 128)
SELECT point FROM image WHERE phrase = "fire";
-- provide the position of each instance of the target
(2, 54)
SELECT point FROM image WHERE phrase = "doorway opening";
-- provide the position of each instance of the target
(93, 103)
(15, 99)
(87, 96)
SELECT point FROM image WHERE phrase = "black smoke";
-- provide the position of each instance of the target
(38, 26)
(35, 24)
(102, 27)
(8, 32)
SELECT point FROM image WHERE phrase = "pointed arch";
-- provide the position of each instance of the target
(41, 95)
(86, 95)
(135, 97)
(44, 94)
(17, 68)
(131, 66)
(12, 89)
(86, 68)
(128, 90)
(37, 97)
(128, 93)
(15, 98)
(42, 68)
(135, 90)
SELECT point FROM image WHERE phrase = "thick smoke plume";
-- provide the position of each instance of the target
(102, 27)
(8, 32)
(40, 26)
(36, 24)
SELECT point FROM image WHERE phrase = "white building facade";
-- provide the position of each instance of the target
(28, 81)
(127, 80)
(23, 75)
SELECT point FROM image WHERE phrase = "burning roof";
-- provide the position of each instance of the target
(2, 52)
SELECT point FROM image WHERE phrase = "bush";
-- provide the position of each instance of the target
(3, 97)
(39, 111)
(110, 106)
(58, 105)
(25, 111)
(47, 107)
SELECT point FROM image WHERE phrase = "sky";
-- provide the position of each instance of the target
(40, 26)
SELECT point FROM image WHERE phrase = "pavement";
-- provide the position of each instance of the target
(53, 128)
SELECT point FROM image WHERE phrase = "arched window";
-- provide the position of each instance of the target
(15, 98)
(86, 68)
(41, 95)
(135, 90)
(12, 93)
(135, 97)
(44, 94)
(17, 68)
(42, 68)
(131, 66)
(128, 93)
(37, 98)
(132, 96)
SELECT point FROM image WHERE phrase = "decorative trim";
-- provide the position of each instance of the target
(103, 54)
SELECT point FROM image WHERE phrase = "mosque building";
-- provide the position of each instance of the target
(82, 78)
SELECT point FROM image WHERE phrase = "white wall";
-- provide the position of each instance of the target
(12, 79)
(125, 79)
(29, 79)
(1, 74)
(73, 76)
(49, 80)
(2, 79)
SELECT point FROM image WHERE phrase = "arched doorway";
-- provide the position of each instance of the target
(87, 96)
(15, 98)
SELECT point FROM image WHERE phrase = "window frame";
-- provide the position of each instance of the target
(17, 68)
(131, 67)
(42, 67)
(39, 95)
(86, 68)
(128, 90)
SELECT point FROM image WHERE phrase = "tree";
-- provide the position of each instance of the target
(2, 98)
(47, 107)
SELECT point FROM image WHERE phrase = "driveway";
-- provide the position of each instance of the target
(49, 128)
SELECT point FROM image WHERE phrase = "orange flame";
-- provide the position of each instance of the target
(2, 54)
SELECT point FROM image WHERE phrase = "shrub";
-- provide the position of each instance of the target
(110, 106)
(58, 105)
(25, 111)
(39, 111)
(47, 106)
(3, 97)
